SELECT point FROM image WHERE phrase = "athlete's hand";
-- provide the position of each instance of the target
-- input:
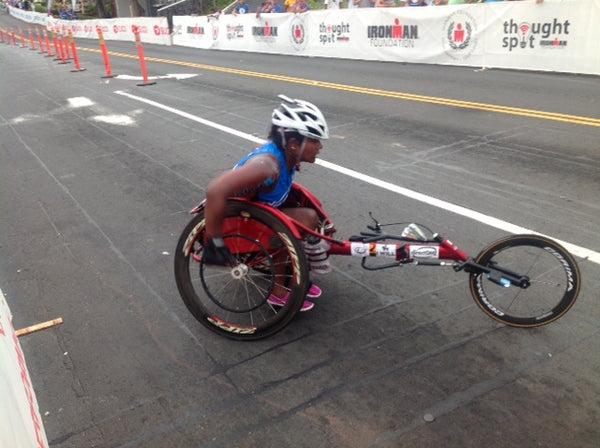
(216, 252)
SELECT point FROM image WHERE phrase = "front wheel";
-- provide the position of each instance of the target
(233, 300)
(550, 281)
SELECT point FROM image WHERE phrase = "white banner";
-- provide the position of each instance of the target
(20, 423)
(153, 30)
(551, 36)
(27, 16)
(522, 35)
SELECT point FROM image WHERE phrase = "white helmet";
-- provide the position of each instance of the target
(300, 116)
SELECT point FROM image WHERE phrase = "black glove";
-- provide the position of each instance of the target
(216, 252)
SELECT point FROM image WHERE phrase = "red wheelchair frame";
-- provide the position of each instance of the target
(519, 280)
(442, 249)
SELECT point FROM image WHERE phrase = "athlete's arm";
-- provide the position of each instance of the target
(259, 173)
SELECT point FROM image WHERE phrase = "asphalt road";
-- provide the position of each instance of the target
(96, 183)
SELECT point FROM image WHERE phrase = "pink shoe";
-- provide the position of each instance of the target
(314, 291)
(274, 300)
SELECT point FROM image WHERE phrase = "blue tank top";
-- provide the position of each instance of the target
(281, 191)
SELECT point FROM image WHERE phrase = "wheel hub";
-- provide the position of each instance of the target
(239, 271)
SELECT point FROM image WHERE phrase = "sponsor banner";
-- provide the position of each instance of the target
(550, 36)
(153, 30)
(28, 16)
(553, 36)
(373, 34)
(267, 34)
(20, 423)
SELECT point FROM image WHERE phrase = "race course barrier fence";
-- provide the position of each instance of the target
(555, 35)
(20, 421)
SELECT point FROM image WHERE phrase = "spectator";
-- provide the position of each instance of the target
(276, 7)
(385, 4)
(241, 8)
(268, 7)
(215, 14)
(363, 3)
(301, 6)
(289, 5)
(265, 7)
(333, 4)
(488, 1)
(415, 3)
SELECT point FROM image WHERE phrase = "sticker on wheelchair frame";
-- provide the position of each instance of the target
(383, 250)
(373, 250)
(359, 249)
(424, 251)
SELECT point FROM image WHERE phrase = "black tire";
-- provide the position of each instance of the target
(232, 300)
(551, 288)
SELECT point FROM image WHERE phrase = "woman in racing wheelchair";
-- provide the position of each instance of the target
(266, 175)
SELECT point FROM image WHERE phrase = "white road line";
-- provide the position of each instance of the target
(189, 116)
(576, 250)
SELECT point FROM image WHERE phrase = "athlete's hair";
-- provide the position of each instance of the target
(280, 136)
